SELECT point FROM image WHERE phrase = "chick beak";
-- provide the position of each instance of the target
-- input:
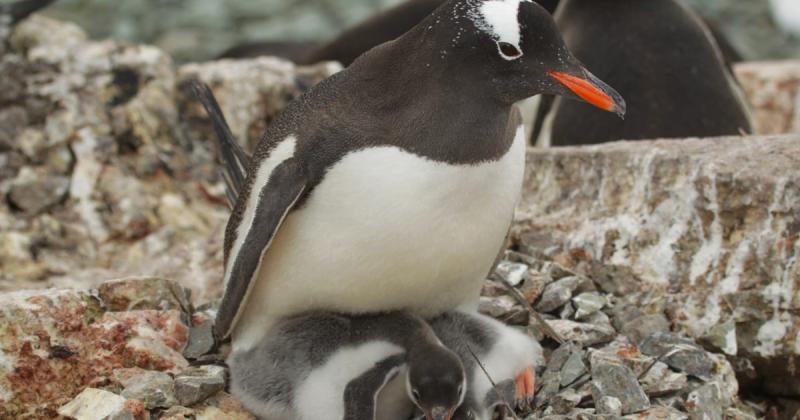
(592, 90)
(439, 413)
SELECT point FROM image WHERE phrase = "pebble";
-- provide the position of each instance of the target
(588, 303)
(679, 353)
(609, 406)
(583, 334)
(573, 368)
(96, 404)
(617, 380)
(512, 273)
(197, 384)
(155, 389)
(704, 403)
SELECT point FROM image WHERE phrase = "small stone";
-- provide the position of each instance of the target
(584, 334)
(608, 405)
(722, 337)
(660, 380)
(681, 354)
(96, 404)
(573, 368)
(588, 303)
(34, 192)
(565, 401)
(551, 378)
(556, 294)
(504, 308)
(197, 384)
(144, 293)
(658, 413)
(155, 389)
(704, 403)
(177, 412)
(201, 337)
(638, 328)
(512, 273)
(566, 312)
(617, 380)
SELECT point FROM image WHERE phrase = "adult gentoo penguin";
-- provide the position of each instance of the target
(662, 58)
(359, 190)
(509, 356)
(327, 366)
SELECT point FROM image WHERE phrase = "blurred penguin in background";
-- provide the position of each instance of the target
(787, 15)
(663, 59)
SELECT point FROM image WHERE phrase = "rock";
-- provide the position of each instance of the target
(551, 378)
(197, 384)
(155, 389)
(704, 403)
(679, 353)
(660, 380)
(58, 342)
(707, 223)
(504, 308)
(573, 368)
(773, 91)
(221, 406)
(201, 336)
(512, 273)
(565, 401)
(33, 192)
(658, 413)
(144, 293)
(96, 404)
(616, 380)
(609, 406)
(588, 303)
(584, 334)
(558, 293)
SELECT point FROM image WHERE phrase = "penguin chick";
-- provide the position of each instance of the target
(328, 366)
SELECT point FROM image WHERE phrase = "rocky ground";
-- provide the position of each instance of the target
(669, 266)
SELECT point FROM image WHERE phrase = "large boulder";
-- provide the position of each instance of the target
(711, 224)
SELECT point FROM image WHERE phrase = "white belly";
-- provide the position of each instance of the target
(387, 230)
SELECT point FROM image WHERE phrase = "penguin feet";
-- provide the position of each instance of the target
(526, 384)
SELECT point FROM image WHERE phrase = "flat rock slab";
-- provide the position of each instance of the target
(712, 223)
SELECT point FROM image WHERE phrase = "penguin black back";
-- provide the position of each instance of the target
(21, 9)
(661, 57)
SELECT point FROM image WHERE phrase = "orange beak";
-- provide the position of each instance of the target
(593, 91)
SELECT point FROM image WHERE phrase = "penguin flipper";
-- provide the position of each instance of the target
(286, 185)
(234, 159)
(361, 393)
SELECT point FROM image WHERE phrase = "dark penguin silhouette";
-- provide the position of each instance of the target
(358, 187)
(328, 366)
(296, 51)
(661, 57)
(19, 10)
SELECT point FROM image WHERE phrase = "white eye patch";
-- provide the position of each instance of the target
(499, 19)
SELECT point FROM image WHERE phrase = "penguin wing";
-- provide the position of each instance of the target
(361, 394)
(286, 185)
(234, 160)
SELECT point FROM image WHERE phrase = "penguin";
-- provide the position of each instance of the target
(358, 190)
(328, 366)
(295, 51)
(787, 15)
(661, 56)
(509, 356)
(21, 9)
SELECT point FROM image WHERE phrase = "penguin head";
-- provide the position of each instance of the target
(435, 382)
(515, 46)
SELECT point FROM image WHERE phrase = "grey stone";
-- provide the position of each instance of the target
(504, 308)
(617, 380)
(679, 353)
(567, 312)
(35, 192)
(704, 403)
(565, 401)
(96, 404)
(640, 327)
(658, 413)
(588, 303)
(197, 384)
(573, 368)
(660, 380)
(155, 389)
(556, 294)
(201, 339)
(551, 378)
(722, 337)
(609, 406)
(582, 333)
(512, 273)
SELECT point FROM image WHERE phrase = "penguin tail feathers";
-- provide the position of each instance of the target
(19, 10)
(233, 158)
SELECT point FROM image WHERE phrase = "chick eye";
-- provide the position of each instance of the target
(415, 394)
(509, 51)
